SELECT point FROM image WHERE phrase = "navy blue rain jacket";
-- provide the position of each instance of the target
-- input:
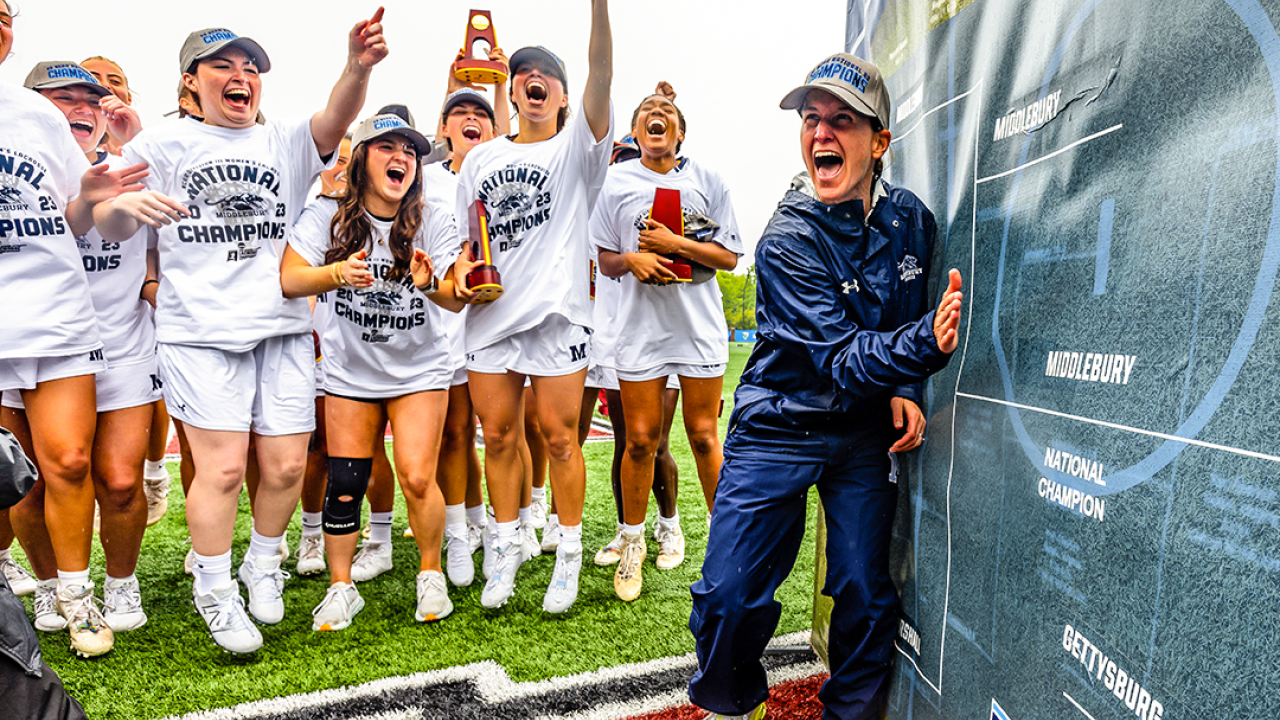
(845, 323)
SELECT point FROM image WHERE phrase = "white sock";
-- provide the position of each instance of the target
(380, 527)
(553, 519)
(155, 470)
(669, 523)
(212, 571)
(571, 537)
(262, 546)
(526, 514)
(132, 578)
(508, 532)
(67, 579)
(312, 524)
(540, 494)
(475, 515)
(633, 530)
(455, 520)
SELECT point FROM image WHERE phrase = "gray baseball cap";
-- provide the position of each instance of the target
(543, 56)
(206, 43)
(389, 124)
(61, 73)
(457, 97)
(854, 81)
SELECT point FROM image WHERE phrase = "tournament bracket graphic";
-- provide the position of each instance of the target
(1092, 529)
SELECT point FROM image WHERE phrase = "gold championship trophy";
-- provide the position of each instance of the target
(481, 71)
(484, 279)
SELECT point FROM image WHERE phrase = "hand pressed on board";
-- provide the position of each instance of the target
(946, 324)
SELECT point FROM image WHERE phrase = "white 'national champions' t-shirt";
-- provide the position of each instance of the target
(538, 198)
(116, 272)
(43, 290)
(604, 315)
(220, 268)
(386, 340)
(677, 323)
(440, 191)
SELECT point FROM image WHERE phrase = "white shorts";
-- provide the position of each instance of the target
(459, 377)
(26, 373)
(269, 390)
(671, 370)
(602, 376)
(551, 348)
(319, 379)
(120, 386)
(424, 382)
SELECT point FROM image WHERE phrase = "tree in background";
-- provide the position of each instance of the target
(739, 294)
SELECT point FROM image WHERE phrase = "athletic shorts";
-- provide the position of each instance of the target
(551, 348)
(671, 370)
(459, 377)
(423, 382)
(602, 376)
(269, 390)
(319, 379)
(26, 373)
(120, 386)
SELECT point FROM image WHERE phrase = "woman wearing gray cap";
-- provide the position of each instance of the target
(385, 348)
(51, 349)
(538, 187)
(236, 356)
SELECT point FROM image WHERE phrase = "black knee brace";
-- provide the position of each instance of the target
(348, 478)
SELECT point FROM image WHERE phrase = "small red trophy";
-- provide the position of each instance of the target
(472, 69)
(484, 279)
(667, 210)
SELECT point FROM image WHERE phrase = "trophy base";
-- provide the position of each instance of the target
(681, 267)
(480, 72)
(485, 282)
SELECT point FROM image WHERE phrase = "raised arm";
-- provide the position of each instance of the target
(366, 47)
(595, 99)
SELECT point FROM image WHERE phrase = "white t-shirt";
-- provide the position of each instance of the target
(43, 290)
(680, 322)
(538, 198)
(220, 268)
(380, 341)
(604, 315)
(440, 190)
(116, 272)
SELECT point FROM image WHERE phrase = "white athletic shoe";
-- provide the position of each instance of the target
(529, 544)
(157, 492)
(458, 561)
(264, 580)
(563, 590)
(551, 536)
(46, 606)
(629, 577)
(502, 583)
(90, 634)
(283, 550)
(20, 581)
(475, 534)
(223, 611)
(433, 597)
(670, 546)
(490, 554)
(311, 554)
(372, 560)
(122, 605)
(340, 605)
(538, 513)
(611, 553)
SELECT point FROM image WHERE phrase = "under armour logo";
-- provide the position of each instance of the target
(854, 287)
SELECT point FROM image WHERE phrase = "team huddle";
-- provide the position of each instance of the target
(289, 331)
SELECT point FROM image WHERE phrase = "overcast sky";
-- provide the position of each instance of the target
(730, 62)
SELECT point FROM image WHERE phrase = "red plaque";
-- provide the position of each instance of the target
(483, 280)
(667, 210)
(482, 70)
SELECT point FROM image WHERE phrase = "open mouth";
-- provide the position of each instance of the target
(536, 90)
(827, 164)
(396, 175)
(656, 126)
(237, 97)
(472, 133)
(81, 128)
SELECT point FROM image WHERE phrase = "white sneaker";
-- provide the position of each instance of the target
(629, 578)
(311, 554)
(502, 583)
(372, 560)
(122, 604)
(538, 513)
(340, 605)
(433, 597)
(551, 536)
(223, 611)
(264, 580)
(462, 569)
(611, 553)
(90, 634)
(529, 544)
(475, 534)
(670, 546)
(157, 492)
(490, 554)
(563, 590)
(20, 581)
(46, 606)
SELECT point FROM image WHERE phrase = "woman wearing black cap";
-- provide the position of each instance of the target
(237, 357)
(537, 188)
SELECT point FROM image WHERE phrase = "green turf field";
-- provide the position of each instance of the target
(171, 666)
